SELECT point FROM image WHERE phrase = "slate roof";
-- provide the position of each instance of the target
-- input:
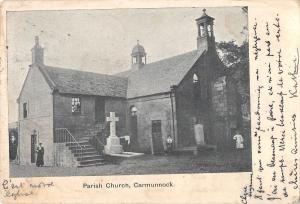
(82, 82)
(157, 77)
(204, 15)
(152, 78)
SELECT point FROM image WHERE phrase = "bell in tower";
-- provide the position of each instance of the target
(206, 38)
(138, 57)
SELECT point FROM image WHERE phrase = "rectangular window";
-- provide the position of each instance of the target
(25, 110)
(76, 105)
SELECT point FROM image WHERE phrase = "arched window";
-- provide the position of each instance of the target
(201, 30)
(196, 90)
(209, 30)
(133, 110)
(195, 78)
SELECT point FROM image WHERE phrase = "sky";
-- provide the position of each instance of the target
(101, 40)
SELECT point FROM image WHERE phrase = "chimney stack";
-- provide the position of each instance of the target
(37, 53)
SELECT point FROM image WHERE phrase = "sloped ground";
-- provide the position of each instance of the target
(149, 164)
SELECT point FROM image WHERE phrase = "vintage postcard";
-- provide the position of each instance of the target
(149, 102)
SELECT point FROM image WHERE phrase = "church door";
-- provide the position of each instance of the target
(33, 147)
(99, 110)
(157, 141)
(133, 130)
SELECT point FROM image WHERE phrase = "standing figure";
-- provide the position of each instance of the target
(13, 145)
(40, 155)
(239, 145)
(169, 144)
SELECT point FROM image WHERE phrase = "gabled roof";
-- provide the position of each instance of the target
(82, 82)
(152, 78)
(158, 77)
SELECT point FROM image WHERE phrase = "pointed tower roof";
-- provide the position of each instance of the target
(204, 15)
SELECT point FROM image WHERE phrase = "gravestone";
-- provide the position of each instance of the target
(113, 141)
(199, 134)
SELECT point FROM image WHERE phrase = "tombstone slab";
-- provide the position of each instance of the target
(113, 142)
(199, 134)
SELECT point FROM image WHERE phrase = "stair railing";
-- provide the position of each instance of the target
(99, 141)
(63, 135)
(100, 145)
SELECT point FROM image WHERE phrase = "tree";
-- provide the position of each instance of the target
(236, 59)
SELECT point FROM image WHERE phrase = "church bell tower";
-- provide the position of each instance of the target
(37, 52)
(206, 38)
(138, 57)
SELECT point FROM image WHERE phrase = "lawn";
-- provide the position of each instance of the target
(149, 164)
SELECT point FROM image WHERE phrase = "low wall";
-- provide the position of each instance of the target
(63, 157)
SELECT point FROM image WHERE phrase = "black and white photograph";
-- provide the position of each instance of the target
(101, 92)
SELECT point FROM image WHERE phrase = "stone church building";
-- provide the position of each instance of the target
(152, 100)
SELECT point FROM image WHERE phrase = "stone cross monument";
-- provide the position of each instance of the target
(113, 142)
(113, 120)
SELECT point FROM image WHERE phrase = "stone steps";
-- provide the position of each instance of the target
(76, 147)
(86, 149)
(86, 138)
(87, 153)
(87, 156)
(81, 143)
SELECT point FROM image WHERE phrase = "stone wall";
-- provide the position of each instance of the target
(226, 111)
(151, 108)
(78, 124)
(219, 102)
(186, 112)
(192, 109)
(37, 94)
(216, 107)
(119, 106)
(75, 123)
(63, 157)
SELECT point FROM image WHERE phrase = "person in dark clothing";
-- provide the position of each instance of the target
(40, 155)
(13, 146)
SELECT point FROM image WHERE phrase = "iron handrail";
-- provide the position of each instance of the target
(99, 141)
(65, 129)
